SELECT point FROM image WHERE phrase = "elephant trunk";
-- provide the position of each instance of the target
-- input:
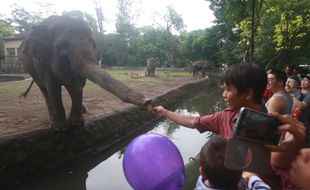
(105, 80)
(82, 56)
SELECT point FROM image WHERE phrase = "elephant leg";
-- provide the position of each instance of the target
(75, 117)
(51, 91)
(203, 73)
(57, 115)
(29, 63)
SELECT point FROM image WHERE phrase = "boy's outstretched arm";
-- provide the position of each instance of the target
(184, 120)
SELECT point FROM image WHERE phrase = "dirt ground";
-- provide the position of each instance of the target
(22, 115)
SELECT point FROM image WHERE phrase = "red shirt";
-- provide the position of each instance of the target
(267, 93)
(221, 123)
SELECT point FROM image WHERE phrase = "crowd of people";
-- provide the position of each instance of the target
(288, 100)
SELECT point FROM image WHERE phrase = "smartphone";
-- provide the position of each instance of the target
(257, 126)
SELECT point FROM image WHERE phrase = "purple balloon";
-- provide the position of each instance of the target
(152, 161)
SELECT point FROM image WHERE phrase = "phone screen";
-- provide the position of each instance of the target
(257, 126)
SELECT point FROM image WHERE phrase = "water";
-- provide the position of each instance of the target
(105, 171)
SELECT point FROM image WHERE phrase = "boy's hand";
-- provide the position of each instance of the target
(248, 175)
(159, 110)
(149, 107)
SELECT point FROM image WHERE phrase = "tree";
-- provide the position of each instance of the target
(5, 30)
(292, 30)
(149, 43)
(106, 46)
(88, 18)
(45, 10)
(125, 28)
(205, 44)
(21, 19)
(228, 16)
(100, 16)
(173, 23)
(281, 30)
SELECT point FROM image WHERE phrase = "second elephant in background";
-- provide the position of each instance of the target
(202, 66)
(151, 64)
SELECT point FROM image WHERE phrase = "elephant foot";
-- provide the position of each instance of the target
(75, 121)
(58, 126)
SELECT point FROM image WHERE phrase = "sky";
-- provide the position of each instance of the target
(195, 13)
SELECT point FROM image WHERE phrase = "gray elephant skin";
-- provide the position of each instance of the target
(60, 51)
(202, 66)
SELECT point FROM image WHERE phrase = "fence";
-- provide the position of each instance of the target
(11, 65)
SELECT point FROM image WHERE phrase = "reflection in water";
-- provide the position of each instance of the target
(105, 171)
(75, 180)
(206, 103)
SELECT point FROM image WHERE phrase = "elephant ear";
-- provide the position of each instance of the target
(37, 43)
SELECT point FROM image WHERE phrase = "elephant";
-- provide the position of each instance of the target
(60, 51)
(150, 67)
(202, 66)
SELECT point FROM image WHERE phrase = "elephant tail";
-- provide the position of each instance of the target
(25, 94)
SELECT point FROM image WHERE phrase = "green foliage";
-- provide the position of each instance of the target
(173, 20)
(23, 20)
(281, 30)
(281, 34)
(293, 26)
(124, 18)
(5, 30)
(88, 18)
(14, 86)
(126, 30)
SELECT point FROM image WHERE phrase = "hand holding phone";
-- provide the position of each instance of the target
(297, 131)
(257, 127)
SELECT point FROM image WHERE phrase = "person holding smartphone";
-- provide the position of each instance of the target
(286, 152)
(243, 86)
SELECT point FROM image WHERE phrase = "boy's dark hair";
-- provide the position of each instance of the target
(212, 157)
(246, 76)
(279, 75)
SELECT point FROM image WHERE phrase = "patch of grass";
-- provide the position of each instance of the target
(174, 73)
(16, 86)
(122, 75)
